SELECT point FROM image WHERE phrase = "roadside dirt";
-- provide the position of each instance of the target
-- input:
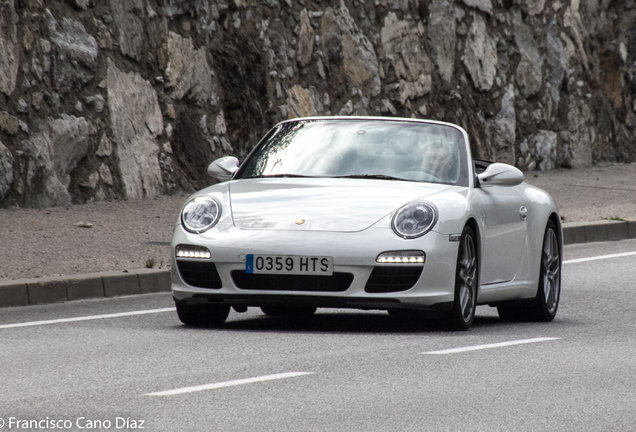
(136, 233)
(593, 194)
(124, 235)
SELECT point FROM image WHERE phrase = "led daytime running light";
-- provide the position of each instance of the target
(187, 251)
(401, 257)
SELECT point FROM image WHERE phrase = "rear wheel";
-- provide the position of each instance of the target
(544, 306)
(295, 311)
(202, 314)
(462, 315)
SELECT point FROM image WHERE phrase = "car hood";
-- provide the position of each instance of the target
(321, 204)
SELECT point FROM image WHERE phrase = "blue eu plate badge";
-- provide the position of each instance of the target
(249, 263)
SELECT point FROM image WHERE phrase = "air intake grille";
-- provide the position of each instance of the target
(200, 274)
(388, 279)
(338, 282)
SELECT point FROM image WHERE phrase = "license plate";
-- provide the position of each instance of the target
(289, 264)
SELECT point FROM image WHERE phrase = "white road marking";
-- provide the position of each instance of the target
(574, 261)
(228, 383)
(86, 318)
(600, 257)
(494, 345)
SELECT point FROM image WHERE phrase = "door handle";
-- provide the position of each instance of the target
(523, 213)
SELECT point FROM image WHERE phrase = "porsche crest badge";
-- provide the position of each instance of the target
(300, 221)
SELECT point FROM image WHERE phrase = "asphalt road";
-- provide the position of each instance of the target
(336, 371)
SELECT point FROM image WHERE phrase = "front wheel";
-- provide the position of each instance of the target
(462, 315)
(202, 314)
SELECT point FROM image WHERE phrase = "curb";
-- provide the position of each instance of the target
(585, 232)
(27, 292)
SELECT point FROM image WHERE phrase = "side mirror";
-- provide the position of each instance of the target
(223, 168)
(499, 174)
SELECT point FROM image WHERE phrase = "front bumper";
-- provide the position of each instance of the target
(353, 253)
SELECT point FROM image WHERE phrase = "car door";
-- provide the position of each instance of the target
(504, 214)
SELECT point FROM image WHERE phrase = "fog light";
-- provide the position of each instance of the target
(189, 251)
(402, 257)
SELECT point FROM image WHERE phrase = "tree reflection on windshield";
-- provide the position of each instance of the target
(361, 148)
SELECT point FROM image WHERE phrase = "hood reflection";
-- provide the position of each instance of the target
(346, 205)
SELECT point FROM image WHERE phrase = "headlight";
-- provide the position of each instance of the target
(414, 219)
(200, 214)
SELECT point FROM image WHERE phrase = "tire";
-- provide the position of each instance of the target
(202, 315)
(291, 311)
(187, 314)
(544, 306)
(462, 315)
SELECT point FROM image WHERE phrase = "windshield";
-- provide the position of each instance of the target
(381, 149)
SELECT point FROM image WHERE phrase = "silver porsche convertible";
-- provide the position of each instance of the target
(368, 213)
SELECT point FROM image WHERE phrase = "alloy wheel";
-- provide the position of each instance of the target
(467, 274)
(551, 263)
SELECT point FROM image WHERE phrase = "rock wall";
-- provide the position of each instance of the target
(117, 99)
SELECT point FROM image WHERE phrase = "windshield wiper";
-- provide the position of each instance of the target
(369, 176)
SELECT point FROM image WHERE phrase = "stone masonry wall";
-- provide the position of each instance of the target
(116, 99)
